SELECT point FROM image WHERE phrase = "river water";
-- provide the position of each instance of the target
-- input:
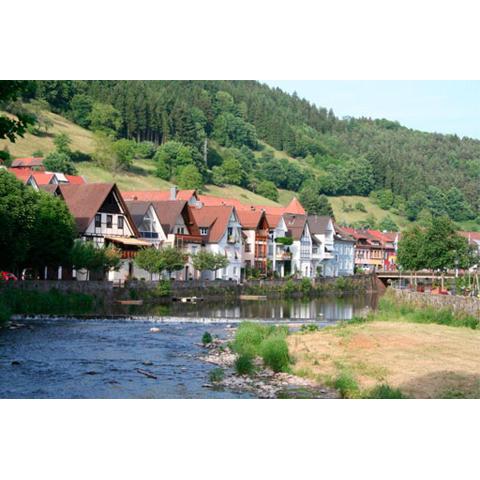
(100, 358)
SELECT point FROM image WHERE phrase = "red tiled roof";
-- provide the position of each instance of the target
(470, 236)
(43, 178)
(21, 174)
(75, 179)
(27, 162)
(157, 195)
(85, 200)
(215, 218)
(250, 219)
(293, 207)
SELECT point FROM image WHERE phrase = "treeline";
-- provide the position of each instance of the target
(224, 123)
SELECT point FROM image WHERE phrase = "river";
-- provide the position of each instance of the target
(100, 358)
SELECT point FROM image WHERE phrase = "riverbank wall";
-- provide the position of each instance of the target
(457, 304)
(109, 292)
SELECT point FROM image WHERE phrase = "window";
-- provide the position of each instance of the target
(120, 222)
(109, 221)
(203, 230)
(180, 230)
(230, 231)
(98, 220)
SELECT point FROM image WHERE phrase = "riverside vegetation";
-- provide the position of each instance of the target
(26, 302)
(395, 352)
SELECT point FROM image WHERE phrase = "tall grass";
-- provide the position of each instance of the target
(390, 308)
(265, 341)
(54, 302)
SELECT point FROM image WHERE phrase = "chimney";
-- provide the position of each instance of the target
(173, 193)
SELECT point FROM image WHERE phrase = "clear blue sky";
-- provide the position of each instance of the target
(442, 106)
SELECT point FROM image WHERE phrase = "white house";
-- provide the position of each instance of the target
(323, 257)
(221, 231)
(102, 217)
(301, 247)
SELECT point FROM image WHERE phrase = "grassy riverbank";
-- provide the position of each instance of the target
(31, 302)
(397, 351)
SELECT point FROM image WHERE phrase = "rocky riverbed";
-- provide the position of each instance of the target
(264, 383)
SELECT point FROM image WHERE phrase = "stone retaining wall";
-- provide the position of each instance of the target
(109, 292)
(464, 305)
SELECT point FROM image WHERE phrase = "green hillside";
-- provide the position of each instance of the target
(261, 140)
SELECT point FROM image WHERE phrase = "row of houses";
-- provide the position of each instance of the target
(256, 239)
(32, 172)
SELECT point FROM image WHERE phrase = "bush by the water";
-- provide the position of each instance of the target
(308, 328)
(274, 352)
(164, 288)
(266, 341)
(207, 338)
(216, 375)
(347, 385)
(244, 364)
(385, 392)
(53, 302)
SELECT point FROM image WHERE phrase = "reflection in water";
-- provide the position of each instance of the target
(324, 308)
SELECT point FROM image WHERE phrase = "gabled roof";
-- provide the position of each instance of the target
(75, 179)
(295, 207)
(138, 210)
(341, 233)
(27, 162)
(84, 201)
(318, 224)
(215, 218)
(295, 224)
(43, 178)
(250, 219)
(168, 212)
(158, 195)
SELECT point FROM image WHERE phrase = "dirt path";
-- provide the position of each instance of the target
(422, 360)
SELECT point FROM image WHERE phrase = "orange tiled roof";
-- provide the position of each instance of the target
(213, 217)
(157, 195)
(75, 179)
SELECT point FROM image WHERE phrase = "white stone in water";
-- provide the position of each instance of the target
(154, 330)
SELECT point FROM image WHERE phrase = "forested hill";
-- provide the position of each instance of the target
(411, 172)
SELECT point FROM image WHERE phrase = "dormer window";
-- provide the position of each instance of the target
(180, 230)
(203, 230)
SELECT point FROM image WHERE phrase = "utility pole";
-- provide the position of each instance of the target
(205, 150)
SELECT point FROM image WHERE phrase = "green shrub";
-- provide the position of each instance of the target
(274, 352)
(216, 375)
(306, 286)
(289, 287)
(248, 338)
(164, 288)
(346, 385)
(385, 391)
(244, 364)
(207, 338)
(308, 328)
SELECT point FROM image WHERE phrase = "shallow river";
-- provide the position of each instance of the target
(99, 358)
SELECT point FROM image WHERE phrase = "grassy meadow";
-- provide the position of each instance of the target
(396, 352)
